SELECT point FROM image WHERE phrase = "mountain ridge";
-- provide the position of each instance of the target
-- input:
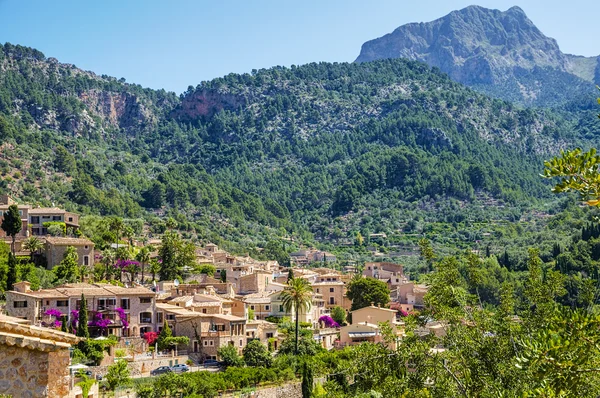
(485, 49)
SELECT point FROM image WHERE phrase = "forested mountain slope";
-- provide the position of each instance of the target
(499, 53)
(244, 156)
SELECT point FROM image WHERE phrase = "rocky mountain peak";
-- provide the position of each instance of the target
(482, 47)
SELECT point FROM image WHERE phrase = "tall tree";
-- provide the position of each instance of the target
(68, 269)
(307, 380)
(82, 321)
(12, 224)
(11, 276)
(297, 296)
(163, 336)
(143, 256)
(116, 225)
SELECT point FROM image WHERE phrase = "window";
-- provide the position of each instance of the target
(318, 290)
(252, 307)
(21, 212)
(145, 300)
(125, 304)
(35, 219)
(47, 302)
(281, 308)
(20, 304)
(62, 303)
(86, 247)
(267, 308)
(205, 343)
(70, 219)
(159, 317)
(204, 310)
(211, 343)
(331, 289)
(269, 335)
(86, 260)
(331, 300)
(145, 317)
(56, 218)
(241, 343)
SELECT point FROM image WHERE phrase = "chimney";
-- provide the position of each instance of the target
(22, 287)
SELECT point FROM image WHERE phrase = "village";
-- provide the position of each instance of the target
(240, 302)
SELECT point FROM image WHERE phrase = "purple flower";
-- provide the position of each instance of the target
(53, 312)
(122, 316)
(329, 322)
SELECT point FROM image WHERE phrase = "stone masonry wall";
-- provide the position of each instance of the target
(28, 373)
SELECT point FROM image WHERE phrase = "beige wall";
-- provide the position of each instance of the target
(31, 373)
(333, 298)
(56, 253)
(373, 315)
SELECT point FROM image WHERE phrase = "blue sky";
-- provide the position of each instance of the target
(172, 44)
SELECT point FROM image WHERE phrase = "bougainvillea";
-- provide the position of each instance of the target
(150, 337)
(122, 264)
(56, 314)
(403, 313)
(122, 316)
(328, 322)
(99, 321)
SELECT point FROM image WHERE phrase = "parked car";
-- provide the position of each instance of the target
(161, 370)
(180, 368)
(211, 363)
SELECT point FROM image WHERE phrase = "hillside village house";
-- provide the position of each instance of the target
(56, 247)
(404, 292)
(309, 256)
(33, 219)
(333, 290)
(365, 326)
(137, 304)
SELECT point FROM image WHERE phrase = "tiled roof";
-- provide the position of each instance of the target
(47, 210)
(54, 240)
(33, 337)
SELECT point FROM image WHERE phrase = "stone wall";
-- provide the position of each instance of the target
(28, 373)
(284, 391)
(143, 367)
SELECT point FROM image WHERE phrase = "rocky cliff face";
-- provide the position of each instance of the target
(488, 49)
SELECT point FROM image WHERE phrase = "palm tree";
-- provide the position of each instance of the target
(108, 259)
(297, 295)
(143, 257)
(116, 224)
(33, 244)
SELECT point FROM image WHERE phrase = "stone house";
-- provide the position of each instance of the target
(34, 361)
(333, 292)
(262, 331)
(137, 304)
(214, 331)
(365, 326)
(56, 248)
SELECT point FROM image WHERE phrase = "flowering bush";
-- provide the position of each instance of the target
(99, 321)
(122, 264)
(53, 312)
(150, 337)
(122, 316)
(328, 322)
(403, 313)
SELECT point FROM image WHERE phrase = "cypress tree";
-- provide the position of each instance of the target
(11, 277)
(164, 334)
(290, 274)
(63, 324)
(12, 224)
(82, 323)
(307, 381)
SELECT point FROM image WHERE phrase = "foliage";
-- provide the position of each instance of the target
(11, 275)
(307, 380)
(68, 271)
(297, 296)
(328, 322)
(82, 321)
(578, 171)
(366, 291)
(12, 224)
(85, 384)
(229, 356)
(175, 256)
(150, 337)
(256, 354)
(163, 336)
(118, 375)
(338, 314)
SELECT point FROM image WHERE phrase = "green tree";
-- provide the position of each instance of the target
(338, 314)
(164, 334)
(33, 245)
(297, 296)
(82, 321)
(229, 356)
(366, 291)
(68, 269)
(307, 380)
(86, 384)
(176, 255)
(118, 375)
(256, 354)
(143, 256)
(12, 224)
(11, 275)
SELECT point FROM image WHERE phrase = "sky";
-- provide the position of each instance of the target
(173, 44)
